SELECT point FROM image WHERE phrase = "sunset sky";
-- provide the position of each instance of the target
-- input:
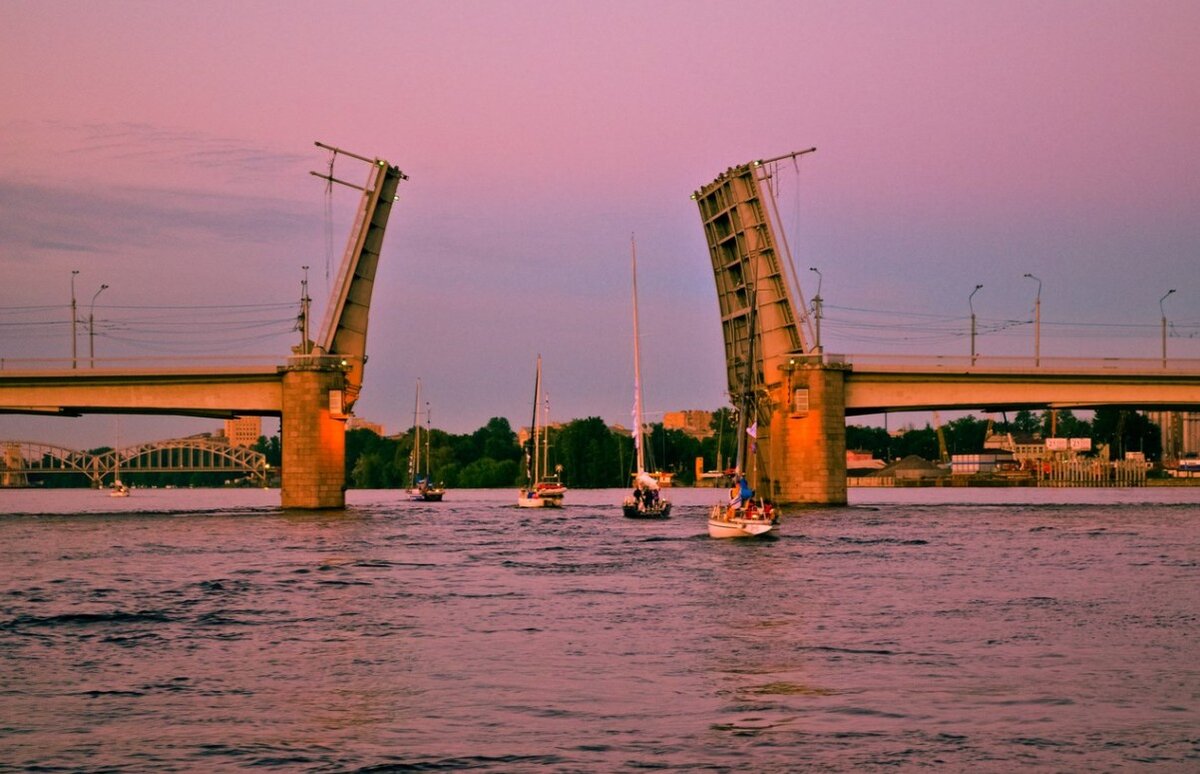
(164, 149)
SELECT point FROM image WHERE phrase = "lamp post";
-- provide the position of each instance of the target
(971, 304)
(817, 306)
(1037, 322)
(92, 328)
(74, 345)
(1164, 325)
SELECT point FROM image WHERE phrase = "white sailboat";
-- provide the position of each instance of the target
(541, 490)
(646, 500)
(421, 485)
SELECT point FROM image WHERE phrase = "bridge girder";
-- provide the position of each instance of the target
(344, 331)
(874, 392)
(755, 281)
(197, 455)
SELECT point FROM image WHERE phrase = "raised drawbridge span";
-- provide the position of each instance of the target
(798, 396)
(312, 392)
(21, 460)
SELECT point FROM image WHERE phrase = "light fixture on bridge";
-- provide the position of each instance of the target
(74, 320)
(971, 304)
(92, 328)
(1037, 321)
(1164, 325)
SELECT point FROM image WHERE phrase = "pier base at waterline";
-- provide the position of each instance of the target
(313, 430)
(808, 435)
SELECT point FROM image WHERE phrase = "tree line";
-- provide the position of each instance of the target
(591, 454)
(1118, 429)
(594, 456)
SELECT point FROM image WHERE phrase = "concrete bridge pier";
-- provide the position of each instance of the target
(808, 434)
(313, 430)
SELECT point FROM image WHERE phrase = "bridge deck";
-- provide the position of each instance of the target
(877, 383)
(189, 390)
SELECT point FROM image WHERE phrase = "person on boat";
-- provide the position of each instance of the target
(745, 492)
(637, 497)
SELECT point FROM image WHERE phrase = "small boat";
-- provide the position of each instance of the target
(646, 501)
(118, 487)
(422, 487)
(541, 490)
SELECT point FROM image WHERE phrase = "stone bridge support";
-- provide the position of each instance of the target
(313, 429)
(808, 435)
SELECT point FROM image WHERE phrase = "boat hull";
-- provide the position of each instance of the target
(661, 510)
(426, 495)
(538, 500)
(723, 525)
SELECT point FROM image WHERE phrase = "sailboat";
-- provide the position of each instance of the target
(118, 488)
(742, 515)
(540, 490)
(422, 487)
(646, 501)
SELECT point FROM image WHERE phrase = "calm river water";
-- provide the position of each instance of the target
(980, 630)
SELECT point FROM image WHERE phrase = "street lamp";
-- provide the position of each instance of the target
(1164, 325)
(92, 328)
(73, 319)
(971, 304)
(1037, 322)
(817, 306)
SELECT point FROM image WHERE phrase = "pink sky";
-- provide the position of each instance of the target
(164, 149)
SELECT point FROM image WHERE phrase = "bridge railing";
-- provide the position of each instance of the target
(1003, 364)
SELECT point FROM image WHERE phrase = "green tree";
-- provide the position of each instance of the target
(1062, 423)
(1127, 431)
(369, 471)
(269, 448)
(873, 439)
(1026, 423)
(965, 435)
(674, 451)
(588, 452)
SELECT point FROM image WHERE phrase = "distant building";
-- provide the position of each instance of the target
(243, 431)
(1180, 433)
(358, 423)
(524, 432)
(859, 463)
(693, 422)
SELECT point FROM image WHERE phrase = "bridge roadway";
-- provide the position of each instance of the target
(878, 383)
(172, 387)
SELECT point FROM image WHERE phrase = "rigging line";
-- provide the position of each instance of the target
(193, 322)
(891, 312)
(198, 306)
(43, 307)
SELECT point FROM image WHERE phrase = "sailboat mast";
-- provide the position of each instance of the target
(545, 439)
(639, 424)
(415, 457)
(746, 399)
(532, 465)
(428, 437)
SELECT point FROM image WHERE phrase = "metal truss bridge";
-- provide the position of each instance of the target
(21, 459)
